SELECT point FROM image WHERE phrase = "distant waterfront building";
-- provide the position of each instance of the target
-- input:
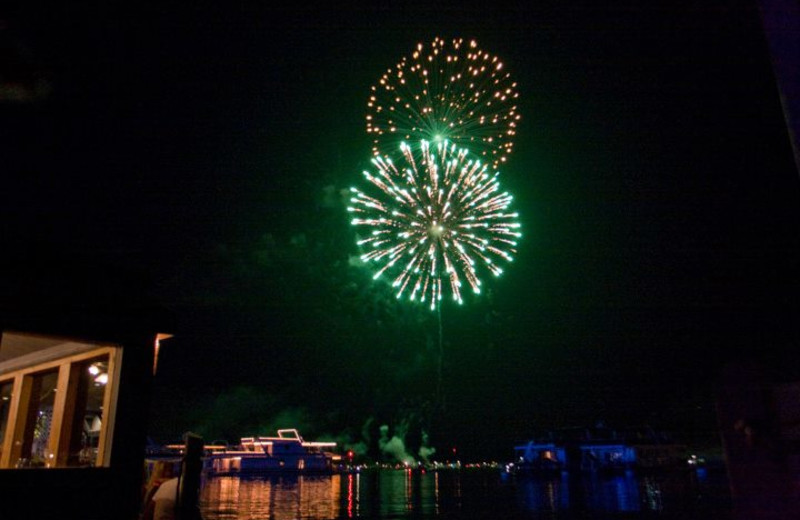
(597, 449)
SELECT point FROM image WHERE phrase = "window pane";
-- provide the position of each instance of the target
(87, 420)
(36, 440)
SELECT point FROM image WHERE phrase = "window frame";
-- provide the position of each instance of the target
(64, 359)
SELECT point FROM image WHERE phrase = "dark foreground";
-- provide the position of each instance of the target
(468, 494)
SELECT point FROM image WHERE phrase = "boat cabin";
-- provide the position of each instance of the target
(287, 452)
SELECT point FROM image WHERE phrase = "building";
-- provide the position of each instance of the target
(78, 349)
(597, 449)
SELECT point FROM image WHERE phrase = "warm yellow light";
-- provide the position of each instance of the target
(156, 347)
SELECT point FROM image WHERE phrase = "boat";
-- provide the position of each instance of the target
(287, 452)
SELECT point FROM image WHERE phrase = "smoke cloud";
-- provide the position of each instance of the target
(395, 446)
(426, 451)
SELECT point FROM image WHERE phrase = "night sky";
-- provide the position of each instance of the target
(203, 150)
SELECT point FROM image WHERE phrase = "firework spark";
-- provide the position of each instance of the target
(434, 222)
(452, 91)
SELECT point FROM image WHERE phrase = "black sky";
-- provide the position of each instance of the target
(203, 148)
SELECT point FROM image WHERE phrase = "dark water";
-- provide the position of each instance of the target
(466, 494)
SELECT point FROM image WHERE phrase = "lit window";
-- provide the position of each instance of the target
(57, 398)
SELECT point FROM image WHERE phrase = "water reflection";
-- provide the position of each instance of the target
(549, 494)
(278, 498)
(621, 493)
(611, 493)
(385, 494)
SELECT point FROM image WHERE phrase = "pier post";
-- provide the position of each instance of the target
(190, 478)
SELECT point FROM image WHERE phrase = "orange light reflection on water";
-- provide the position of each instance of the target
(276, 498)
